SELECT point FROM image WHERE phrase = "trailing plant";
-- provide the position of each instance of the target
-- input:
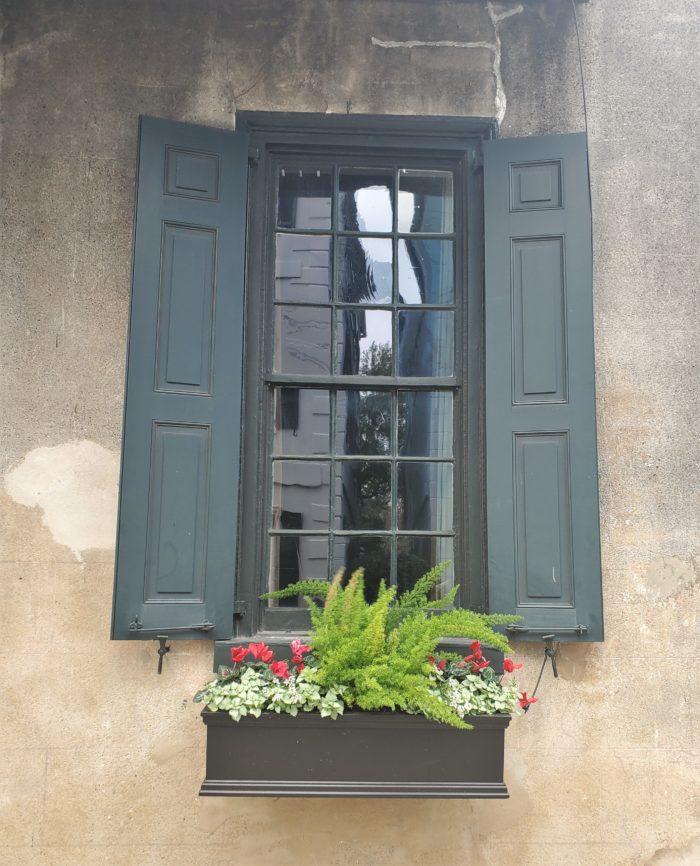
(377, 655)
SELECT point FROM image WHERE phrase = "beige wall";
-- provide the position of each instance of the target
(100, 758)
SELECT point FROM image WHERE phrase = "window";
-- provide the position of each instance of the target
(414, 378)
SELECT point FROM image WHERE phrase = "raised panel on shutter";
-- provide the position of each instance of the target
(178, 508)
(541, 463)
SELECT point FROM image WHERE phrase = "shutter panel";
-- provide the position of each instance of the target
(541, 463)
(178, 509)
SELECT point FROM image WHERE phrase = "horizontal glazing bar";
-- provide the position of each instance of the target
(365, 383)
(383, 533)
(365, 458)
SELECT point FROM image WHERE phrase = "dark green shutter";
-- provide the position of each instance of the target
(178, 508)
(542, 482)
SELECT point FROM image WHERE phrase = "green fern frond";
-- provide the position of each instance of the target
(313, 588)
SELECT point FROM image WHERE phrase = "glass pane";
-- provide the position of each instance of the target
(426, 271)
(302, 340)
(364, 274)
(371, 553)
(425, 201)
(300, 494)
(304, 198)
(302, 421)
(362, 494)
(424, 497)
(365, 200)
(426, 343)
(363, 422)
(303, 268)
(415, 556)
(425, 424)
(364, 341)
(293, 558)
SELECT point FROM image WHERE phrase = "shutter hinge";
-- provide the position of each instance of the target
(254, 155)
(522, 629)
(239, 607)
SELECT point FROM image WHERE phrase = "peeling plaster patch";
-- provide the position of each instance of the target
(169, 746)
(669, 576)
(75, 485)
(687, 856)
(496, 18)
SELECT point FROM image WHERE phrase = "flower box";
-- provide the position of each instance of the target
(359, 754)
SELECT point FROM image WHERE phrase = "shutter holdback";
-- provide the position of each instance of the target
(550, 653)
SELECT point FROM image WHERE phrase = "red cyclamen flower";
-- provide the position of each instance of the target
(476, 649)
(260, 652)
(238, 653)
(299, 648)
(480, 665)
(441, 665)
(509, 666)
(300, 666)
(525, 701)
(280, 669)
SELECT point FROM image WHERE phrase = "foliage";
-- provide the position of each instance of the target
(372, 655)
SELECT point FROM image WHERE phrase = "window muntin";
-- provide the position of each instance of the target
(371, 269)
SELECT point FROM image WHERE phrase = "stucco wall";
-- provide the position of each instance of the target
(100, 758)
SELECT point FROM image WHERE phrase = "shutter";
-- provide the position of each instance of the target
(542, 483)
(178, 509)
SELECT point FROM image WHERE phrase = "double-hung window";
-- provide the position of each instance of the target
(320, 377)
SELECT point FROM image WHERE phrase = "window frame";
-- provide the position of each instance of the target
(275, 135)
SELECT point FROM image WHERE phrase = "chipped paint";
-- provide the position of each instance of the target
(75, 486)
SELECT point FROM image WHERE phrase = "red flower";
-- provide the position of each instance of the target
(509, 666)
(476, 649)
(297, 660)
(480, 665)
(260, 652)
(280, 669)
(300, 667)
(431, 659)
(238, 653)
(525, 701)
(299, 648)
(441, 665)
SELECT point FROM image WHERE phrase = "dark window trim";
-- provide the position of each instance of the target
(271, 135)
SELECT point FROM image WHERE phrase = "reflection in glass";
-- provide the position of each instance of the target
(293, 558)
(365, 200)
(302, 421)
(364, 340)
(425, 424)
(426, 343)
(371, 553)
(302, 340)
(426, 271)
(363, 494)
(364, 274)
(416, 555)
(363, 422)
(301, 487)
(303, 268)
(424, 497)
(304, 198)
(425, 201)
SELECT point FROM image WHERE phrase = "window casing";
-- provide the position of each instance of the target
(272, 535)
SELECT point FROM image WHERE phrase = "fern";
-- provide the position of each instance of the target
(378, 651)
(313, 588)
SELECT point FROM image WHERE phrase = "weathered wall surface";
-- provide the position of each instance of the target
(100, 759)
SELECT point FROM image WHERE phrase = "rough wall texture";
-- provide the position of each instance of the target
(100, 759)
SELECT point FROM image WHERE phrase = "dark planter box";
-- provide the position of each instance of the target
(357, 755)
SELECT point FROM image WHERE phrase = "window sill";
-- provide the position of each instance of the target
(357, 755)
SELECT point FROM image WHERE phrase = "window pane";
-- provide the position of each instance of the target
(293, 558)
(302, 340)
(302, 421)
(300, 494)
(364, 341)
(425, 424)
(425, 201)
(363, 495)
(372, 554)
(426, 271)
(426, 343)
(363, 422)
(365, 201)
(303, 268)
(415, 556)
(364, 274)
(424, 497)
(304, 198)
